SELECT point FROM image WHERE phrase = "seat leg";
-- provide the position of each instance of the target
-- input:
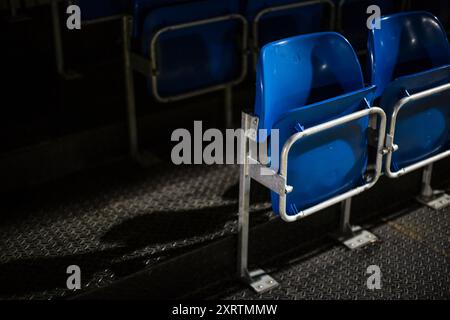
(129, 87)
(58, 45)
(434, 199)
(57, 39)
(352, 237)
(141, 157)
(258, 279)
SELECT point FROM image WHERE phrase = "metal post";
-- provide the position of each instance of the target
(129, 87)
(244, 207)
(427, 191)
(434, 199)
(345, 227)
(352, 237)
(229, 107)
(257, 279)
(59, 54)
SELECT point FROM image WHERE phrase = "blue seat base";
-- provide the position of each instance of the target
(329, 163)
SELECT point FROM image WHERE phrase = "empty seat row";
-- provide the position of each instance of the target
(318, 78)
(302, 82)
(310, 88)
(214, 39)
(195, 47)
(278, 19)
(212, 52)
(411, 54)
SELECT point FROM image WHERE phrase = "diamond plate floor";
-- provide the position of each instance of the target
(113, 223)
(413, 255)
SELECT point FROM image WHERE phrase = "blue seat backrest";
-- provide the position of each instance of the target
(195, 57)
(354, 18)
(95, 9)
(302, 70)
(407, 43)
(305, 81)
(286, 23)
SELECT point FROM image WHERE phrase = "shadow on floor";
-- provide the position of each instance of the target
(170, 233)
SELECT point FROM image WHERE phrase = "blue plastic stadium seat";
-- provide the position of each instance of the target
(305, 81)
(196, 57)
(408, 55)
(286, 23)
(95, 9)
(354, 18)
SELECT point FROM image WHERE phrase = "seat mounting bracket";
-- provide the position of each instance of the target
(436, 202)
(434, 199)
(260, 281)
(357, 239)
(352, 237)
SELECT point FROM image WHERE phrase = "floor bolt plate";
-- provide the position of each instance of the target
(262, 282)
(360, 239)
(438, 203)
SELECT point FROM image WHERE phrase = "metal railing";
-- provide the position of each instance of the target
(317, 129)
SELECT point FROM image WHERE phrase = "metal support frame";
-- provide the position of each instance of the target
(255, 48)
(103, 19)
(251, 169)
(257, 279)
(427, 194)
(229, 106)
(133, 62)
(128, 70)
(58, 41)
(427, 191)
(127, 22)
(344, 223)
(435, 199)
(149, 67)
(353, 237)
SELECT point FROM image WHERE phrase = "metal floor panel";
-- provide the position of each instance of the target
(413, 255)
(115, 222)
(112, 224)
